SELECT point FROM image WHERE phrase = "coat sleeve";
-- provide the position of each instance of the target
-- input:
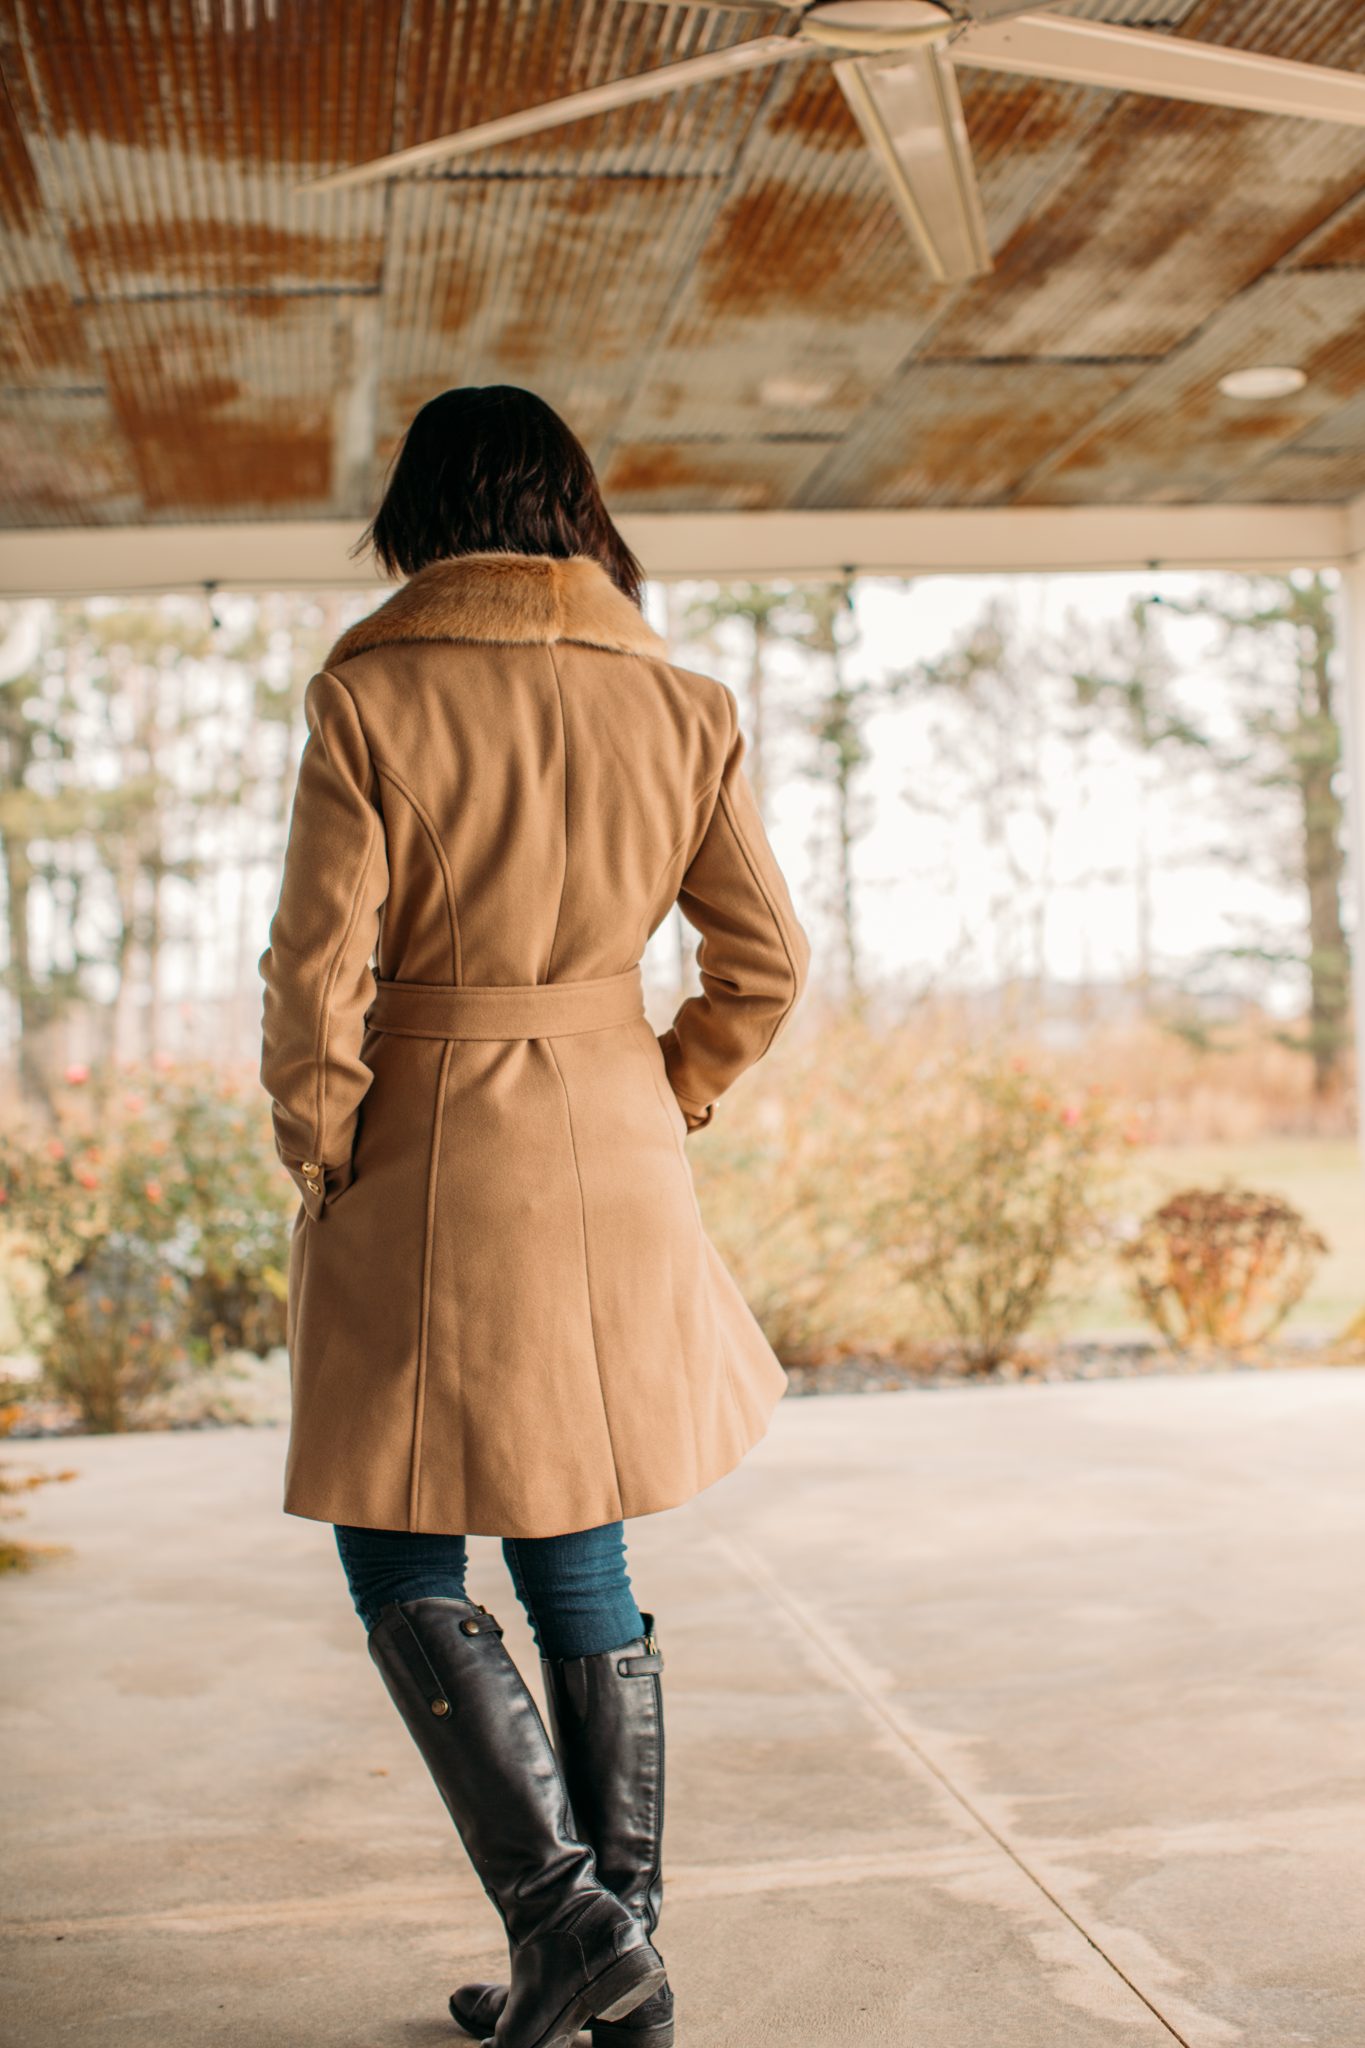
(753, 957)
(317, 968)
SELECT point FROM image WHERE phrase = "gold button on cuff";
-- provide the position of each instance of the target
(471, 1628)
(314, 1187)
(440, 1706)
(310, 1166)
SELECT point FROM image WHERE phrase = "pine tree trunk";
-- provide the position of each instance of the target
(847, 912)
(758, 684)
(1317, 762)
(31, 1011)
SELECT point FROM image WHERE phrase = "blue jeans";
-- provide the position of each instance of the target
(575, 1589)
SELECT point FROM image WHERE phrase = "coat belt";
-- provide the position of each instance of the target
(546, 1009)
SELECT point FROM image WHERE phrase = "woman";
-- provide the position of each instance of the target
(504, 1315)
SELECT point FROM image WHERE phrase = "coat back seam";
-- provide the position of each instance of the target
(684, 839)
(424, 1306)
(587, 1274)
(424, 819)
(564, 872)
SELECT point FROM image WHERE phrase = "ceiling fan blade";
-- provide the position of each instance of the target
(577, 106)
(1136, 60)
(911, 117)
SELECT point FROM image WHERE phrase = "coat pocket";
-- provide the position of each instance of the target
(659, 1076)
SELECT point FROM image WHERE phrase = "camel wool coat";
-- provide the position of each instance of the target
(505, 1317)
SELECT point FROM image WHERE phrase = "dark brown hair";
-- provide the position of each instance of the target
(493, 468)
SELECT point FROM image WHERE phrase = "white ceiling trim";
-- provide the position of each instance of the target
(313, 554)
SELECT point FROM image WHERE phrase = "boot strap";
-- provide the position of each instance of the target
(478, 1622)
(640, 1667)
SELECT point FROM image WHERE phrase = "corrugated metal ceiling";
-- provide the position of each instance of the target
(713, 287)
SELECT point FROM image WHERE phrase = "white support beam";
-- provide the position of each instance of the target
(959, 542)
(1354, 516)
(281, 555)
(1353, 722)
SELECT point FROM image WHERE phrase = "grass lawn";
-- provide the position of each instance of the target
(1322, 1177)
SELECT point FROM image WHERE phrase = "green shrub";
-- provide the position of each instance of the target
(241, 1203)
(877, 1192)
(782, 1181)
(995, 1181)
(156, 1220)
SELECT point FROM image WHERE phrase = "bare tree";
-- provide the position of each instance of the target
(1000, 750)
(762, 610)
(1127, 675)
(1283, 766)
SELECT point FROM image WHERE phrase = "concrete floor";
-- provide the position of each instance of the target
(1015, 1718)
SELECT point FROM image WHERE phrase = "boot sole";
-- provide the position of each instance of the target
(610, 1996)
(604, 2035)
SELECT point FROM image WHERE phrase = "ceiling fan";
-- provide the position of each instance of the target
(896, 63)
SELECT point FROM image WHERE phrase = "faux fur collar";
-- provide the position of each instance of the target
(509, 600)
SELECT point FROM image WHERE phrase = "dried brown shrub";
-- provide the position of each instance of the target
(1222, 1266)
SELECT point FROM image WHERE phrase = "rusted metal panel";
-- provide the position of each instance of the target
(42, 337)
(1166, 213)
(733, 475)
(1309, 31)
(1339, 432)
(1174, 438)
(555, 283)
(714, 287)
(60, 464)
(479, 59)
(807, 294)
(1301, 477)
(22, 210)
(963, 433)
(284, 83)
(173, 134)
(1339, 241)
(804, 291)
(42, 343)
(1152, 14)
(226, 406)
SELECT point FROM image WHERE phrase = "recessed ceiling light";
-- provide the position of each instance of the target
(1263, 380)
(795, 391)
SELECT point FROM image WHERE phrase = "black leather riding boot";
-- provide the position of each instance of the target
(606, 1714)
(577, 1953)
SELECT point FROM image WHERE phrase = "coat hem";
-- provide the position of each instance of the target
(635, 1505)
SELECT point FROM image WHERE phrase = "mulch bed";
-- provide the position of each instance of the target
(1071, 1359)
